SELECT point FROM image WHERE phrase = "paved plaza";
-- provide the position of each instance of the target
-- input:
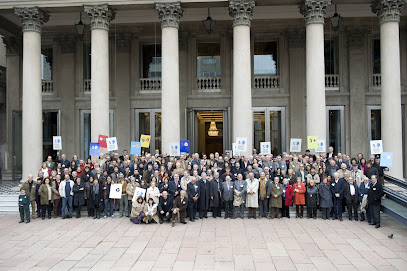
(214, 244)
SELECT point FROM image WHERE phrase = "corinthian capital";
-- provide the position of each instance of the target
(32, 18)
(169, 13)
(241, 12)
(100, 16)
(13, 45)
(387, 10)
(314, 10)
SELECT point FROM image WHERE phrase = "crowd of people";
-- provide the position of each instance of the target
(191, 186)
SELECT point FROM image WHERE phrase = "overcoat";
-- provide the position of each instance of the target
(299, 197)
(252, 200)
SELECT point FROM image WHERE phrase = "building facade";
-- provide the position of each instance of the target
(267, 71)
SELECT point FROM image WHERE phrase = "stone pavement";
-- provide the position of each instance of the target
(214, 244)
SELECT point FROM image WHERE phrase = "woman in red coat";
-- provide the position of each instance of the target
(287, 198)
(299, 197)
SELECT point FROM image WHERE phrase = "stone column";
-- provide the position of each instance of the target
(169, 14)
(32, 22)
(100, 16)
(389, 12)
(242, 115)
(314, 13)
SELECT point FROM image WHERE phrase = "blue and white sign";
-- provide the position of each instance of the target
(94, 148)
(111, 144)
(295, 144)
(376, 147)
(265, 148)
(135, 148)
(174, 149)
(321, 146)
(57, 143)
(241, 143)
(184, 146)
(386, 159)
(235, 150)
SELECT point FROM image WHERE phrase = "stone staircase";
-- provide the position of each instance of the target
(9, 204)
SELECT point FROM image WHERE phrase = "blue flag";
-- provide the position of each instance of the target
(386, 159)
(184, 146)
(94, 148)
(135, 148)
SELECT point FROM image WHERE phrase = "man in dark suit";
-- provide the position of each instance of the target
(165, 207)
(174, 187)
(216, 196)
(180, 208)
(351, 196)
(341, 161)
(337, 189)
(374, 199)
(193, 196)
(228, 196)
(204, 195)
(64, 162)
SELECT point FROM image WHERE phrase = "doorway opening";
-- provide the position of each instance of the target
(210, 131)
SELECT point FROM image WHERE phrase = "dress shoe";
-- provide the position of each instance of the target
(184, 222)
(377, 226)
(172, 224)
(340, 219)
(314, 217)
(63, 217)
(234, 217)
(21, 222)
(371, 223)
(226, 217)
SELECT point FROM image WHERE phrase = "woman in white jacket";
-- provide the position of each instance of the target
(153, 192)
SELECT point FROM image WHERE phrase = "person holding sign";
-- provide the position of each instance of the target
(108, 202)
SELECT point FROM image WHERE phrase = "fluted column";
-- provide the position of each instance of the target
(169, 14)
(388, 12)
(314, 14)
(32, 21)
(242, 115)
(100, 16)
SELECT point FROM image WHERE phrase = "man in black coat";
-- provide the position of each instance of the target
(337, 189)
(216, 196)
(374, 199)
(228, 196)
(165, 207)
(193, 196)
(351, 196)
(203, 200)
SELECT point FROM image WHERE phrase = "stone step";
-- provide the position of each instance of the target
(9, 204)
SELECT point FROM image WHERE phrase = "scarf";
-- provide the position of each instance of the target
(262, 188)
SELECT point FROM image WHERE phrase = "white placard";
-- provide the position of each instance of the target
(265, 148)
(295, 144)
(234, 149)
(321, 146)
(116, 191)
(111, 144)
(174, 149)
(376, 147)
(57, 143)
(139, 192)
(241, 143)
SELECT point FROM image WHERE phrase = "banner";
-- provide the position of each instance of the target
(102, 141)
(116, 191)
(145, 141)
(312, 142)
(135, 148)
(376, 147)
(94, 148)
(321, 146)
(241, 143)
(295, 144)
(386, 159)
(111, 144)
(265, 148)
(184, 146)
(139, 192)
(174, 149)
(57, 143)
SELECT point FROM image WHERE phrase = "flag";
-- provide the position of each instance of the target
(102, 141)
(94, 148)
(312, 142)
(135, 148)
(145, 141)
(184, 146)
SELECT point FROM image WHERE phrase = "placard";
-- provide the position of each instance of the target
(184, 146)
(116, 191)
(145, 141)
(139, 192)
(376, 147)
(295, 144)
(111, 144)
(174, 149)
(386, 159)
(312, 142)
(321, 146)
(241, 143)
(57, 143)
(265, 148)
(235, 150)
(94, 148)
(135, 148)
(102, 141)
